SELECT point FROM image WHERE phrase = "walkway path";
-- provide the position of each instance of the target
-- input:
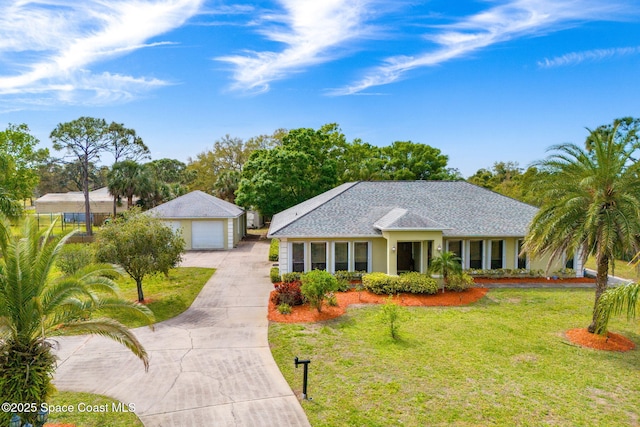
(210, 366)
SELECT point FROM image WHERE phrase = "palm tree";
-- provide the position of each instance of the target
(591, 201)
(37, 304)
(446, 264)
(127, 179)
(623, 299)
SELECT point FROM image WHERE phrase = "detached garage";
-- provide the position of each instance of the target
(206, 222)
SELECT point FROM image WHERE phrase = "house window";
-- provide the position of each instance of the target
(455, 246)
(318, 255)
(341, 256)
(297, 257)
(522, 258)
(497, 248)
(361, 255)
(475, 254)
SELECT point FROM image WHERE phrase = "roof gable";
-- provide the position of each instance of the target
(196, 204)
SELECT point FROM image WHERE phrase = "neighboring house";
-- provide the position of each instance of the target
(206, 222)
(71, 204)
(399, 226)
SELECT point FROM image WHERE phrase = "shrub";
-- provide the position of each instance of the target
(274, 249)
(565, 272)
(380, 283)
(291, 277)
(343, 285)
(417, 283)
(274, 274)
(349, 275)
(288, 293)
(315, 285)
(459, 282)
(392, 314)
(332, 300)
(284, 308)
(73, 257)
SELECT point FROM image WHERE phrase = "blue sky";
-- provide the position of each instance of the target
(483, 81)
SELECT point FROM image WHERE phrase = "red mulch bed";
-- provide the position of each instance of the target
(612, 342)
(487, 280)
(304, 313)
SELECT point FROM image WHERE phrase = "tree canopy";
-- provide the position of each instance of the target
(19, 162)
(141, 244)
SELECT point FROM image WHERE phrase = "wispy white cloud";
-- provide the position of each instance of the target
(507, 21)
(311, 32)
(47, 47)
(574, 58)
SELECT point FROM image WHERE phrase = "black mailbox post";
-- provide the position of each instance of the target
(305, 375)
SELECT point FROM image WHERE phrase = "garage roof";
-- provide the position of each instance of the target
(197, 204)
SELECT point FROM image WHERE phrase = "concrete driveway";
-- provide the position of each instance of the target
(210, 366)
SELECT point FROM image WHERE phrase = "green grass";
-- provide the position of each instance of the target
(111, 415)
(502, 361)
(622, 269)
(169, 296)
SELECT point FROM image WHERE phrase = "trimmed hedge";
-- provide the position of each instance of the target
(459, 283)
(274, 274)
(417, 283)
(414, 283)
(274, 249)
(291, 277)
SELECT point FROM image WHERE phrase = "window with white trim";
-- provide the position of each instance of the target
(297, 257)
(520, 256)
(497, 252)
(361, 256)
(340, 256)
(475, 254)
(318, 255)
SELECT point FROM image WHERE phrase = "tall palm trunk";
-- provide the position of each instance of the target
(602, 279)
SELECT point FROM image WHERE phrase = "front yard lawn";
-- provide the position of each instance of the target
(503, 361)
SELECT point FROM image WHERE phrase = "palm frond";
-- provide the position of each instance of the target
(616, 301)
(109, 328)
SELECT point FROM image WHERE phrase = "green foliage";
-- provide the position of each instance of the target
(274, 250)
(288, 293)
(274, 274)
(73, 257)
(349, 275)
(19, 162)
(332, 300)
(591, 200)
(412, 282)
(26, 371)
(127, 179)
(406, 160)
(505, 272)
(508, 179)
(616, 301)
(284, 308)
(315, 285)
(391, 314)
(290, 277)
(141, 244)
(35, 305)
(446, 264)
(459, 282)
(380, 283)
(417, 283)
(343, 285)
(217, 171)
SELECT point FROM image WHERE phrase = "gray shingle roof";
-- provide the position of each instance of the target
(196, 204)
(364, 208)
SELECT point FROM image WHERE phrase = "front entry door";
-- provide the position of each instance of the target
(405, 257)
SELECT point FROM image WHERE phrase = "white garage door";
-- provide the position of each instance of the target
(207, 235)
